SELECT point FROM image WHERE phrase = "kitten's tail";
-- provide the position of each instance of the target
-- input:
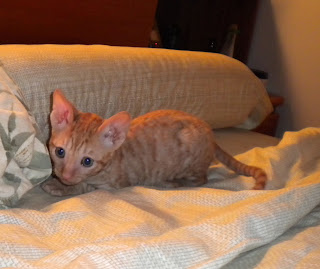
(240, 168)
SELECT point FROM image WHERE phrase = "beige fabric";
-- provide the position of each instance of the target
(24, 159)
(188, 228)
(106, 80)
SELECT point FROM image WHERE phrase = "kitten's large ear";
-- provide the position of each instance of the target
(113, 131)
(62, 114)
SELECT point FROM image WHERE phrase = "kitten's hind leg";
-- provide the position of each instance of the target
(193, 181)
(190, 181)
(171, 184)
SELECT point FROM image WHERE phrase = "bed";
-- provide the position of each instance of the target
(223, 224)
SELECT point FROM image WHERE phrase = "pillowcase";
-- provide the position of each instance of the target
(24, 159)
(108, 79)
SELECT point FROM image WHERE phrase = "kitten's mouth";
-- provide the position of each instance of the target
(68, 183)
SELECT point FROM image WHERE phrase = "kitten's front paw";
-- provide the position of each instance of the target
(54, 187)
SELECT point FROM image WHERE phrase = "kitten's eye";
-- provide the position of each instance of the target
(87, 162)
(60, 152)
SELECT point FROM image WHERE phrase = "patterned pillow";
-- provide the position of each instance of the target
(24, 159)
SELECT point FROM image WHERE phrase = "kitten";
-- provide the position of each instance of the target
(165, 148)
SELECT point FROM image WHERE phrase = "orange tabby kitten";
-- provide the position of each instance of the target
(164, 148)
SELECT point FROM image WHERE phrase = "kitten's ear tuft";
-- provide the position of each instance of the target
(62, 114)
(113, 131)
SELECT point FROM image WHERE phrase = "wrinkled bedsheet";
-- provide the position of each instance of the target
(221, 225)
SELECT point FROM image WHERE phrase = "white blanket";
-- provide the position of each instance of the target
(141, 227)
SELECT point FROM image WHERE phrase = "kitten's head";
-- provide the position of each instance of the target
(81, 144)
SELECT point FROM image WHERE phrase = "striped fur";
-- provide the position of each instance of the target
(164, 148)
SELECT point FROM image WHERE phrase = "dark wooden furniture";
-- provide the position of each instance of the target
(110, 22)
(192, 25)
(269, 125)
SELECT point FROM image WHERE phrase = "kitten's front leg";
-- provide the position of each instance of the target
(56, 188)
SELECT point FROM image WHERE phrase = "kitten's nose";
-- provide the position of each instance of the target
(67, 175)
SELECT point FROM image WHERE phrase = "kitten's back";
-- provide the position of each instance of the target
(177, 148)
(171, 148)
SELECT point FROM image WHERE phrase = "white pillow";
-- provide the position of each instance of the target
(106, 80)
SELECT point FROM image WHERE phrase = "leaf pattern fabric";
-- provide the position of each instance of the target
(24, 158)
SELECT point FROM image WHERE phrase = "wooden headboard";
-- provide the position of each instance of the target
(111, 22)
